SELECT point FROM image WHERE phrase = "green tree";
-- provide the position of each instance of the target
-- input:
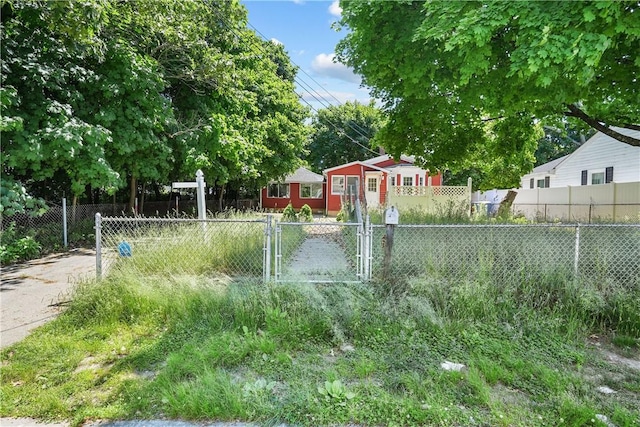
(456, 76)
(343, 134)
(42, 65)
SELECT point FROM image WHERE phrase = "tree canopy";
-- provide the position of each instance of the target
(476, 80)
(107, 94)
(343, 134)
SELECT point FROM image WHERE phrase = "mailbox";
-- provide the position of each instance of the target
(391, 216)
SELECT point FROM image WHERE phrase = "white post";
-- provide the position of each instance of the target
(202, 206)
(64, 221)
(98, 246)
(469, 187)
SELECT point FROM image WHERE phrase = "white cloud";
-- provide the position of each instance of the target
(276, 42)
(298, 1)
(335, 8)
(325, 65)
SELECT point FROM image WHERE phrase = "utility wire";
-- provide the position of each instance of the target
(362, 131)
(262, 50)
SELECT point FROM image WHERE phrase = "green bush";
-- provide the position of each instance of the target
(14, 248)
(305, 215)
(289, 214)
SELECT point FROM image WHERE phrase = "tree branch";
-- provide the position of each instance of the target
(602, 127)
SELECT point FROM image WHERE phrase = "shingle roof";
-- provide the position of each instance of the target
(303, 175)
(548, 167)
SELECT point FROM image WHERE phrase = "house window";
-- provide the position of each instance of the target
(421, 181)
(608, 175)
(543, 183)
(407, 181)
(531, 183)
(597, 178)
(372, 185)
(277, 190)
(583, 177)
(337, 185)
(393, 181)
(311, 191)
(353, 185)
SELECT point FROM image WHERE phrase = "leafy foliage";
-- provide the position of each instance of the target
(289, 214)
(104, 95)
(469, 83)
(306, 214)
(343, 134)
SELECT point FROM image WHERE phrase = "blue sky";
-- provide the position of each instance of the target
(304, 28)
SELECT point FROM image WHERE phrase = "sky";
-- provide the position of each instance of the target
(304, 28)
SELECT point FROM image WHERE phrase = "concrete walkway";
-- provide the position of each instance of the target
(320, 257)
(34, 292)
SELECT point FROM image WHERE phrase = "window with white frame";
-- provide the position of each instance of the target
(353, 186)
(407, 181)
(337, 184)
(597, 178)
(278, 190)
(421, 181)
(372, 185)
(393, 181)
(311, 191)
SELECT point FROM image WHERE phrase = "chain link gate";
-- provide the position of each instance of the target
(320, 252)
(336, 252)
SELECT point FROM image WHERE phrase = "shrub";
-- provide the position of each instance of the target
(289, 214)
(305, 215)
(17, 249)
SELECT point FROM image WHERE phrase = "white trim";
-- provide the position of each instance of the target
(312, 184)
(344, 183)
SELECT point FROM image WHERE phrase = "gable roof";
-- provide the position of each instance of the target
(304, 175)
(553, 165)
(385, 157)
(357, 162)
(550, 166)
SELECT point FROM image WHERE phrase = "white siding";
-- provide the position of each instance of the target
(598, 153)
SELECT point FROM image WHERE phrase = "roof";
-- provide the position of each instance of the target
(371, 163)
(357, 162)
(303, 175)
(550, 166)
(385, 157)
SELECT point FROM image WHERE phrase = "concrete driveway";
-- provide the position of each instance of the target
(34, 292)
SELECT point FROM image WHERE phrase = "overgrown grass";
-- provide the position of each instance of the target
(168, 336)
(199, 349)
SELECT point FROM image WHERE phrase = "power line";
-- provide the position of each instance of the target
(262, 50)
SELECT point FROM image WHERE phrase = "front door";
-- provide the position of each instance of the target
(372, 191)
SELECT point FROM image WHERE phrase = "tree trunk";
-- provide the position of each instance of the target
(132, 194)
(220, 198)
(74, 206)
(141, 205)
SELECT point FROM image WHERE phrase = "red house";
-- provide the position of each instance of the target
(300, 188)
(370, 180)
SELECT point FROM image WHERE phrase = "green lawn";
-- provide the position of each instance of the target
(197, 348)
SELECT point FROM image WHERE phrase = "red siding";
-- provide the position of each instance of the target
(333, 200)
(297, 202)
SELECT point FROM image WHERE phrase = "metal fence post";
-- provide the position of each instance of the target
(64, 221)
(266, 268)
(577, 254)
(366, 251)
(98, 246)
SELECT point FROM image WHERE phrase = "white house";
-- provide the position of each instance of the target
(600, 160)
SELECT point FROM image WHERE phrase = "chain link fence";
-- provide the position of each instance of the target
(499, 254)
(603, 255)
(182, 246)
